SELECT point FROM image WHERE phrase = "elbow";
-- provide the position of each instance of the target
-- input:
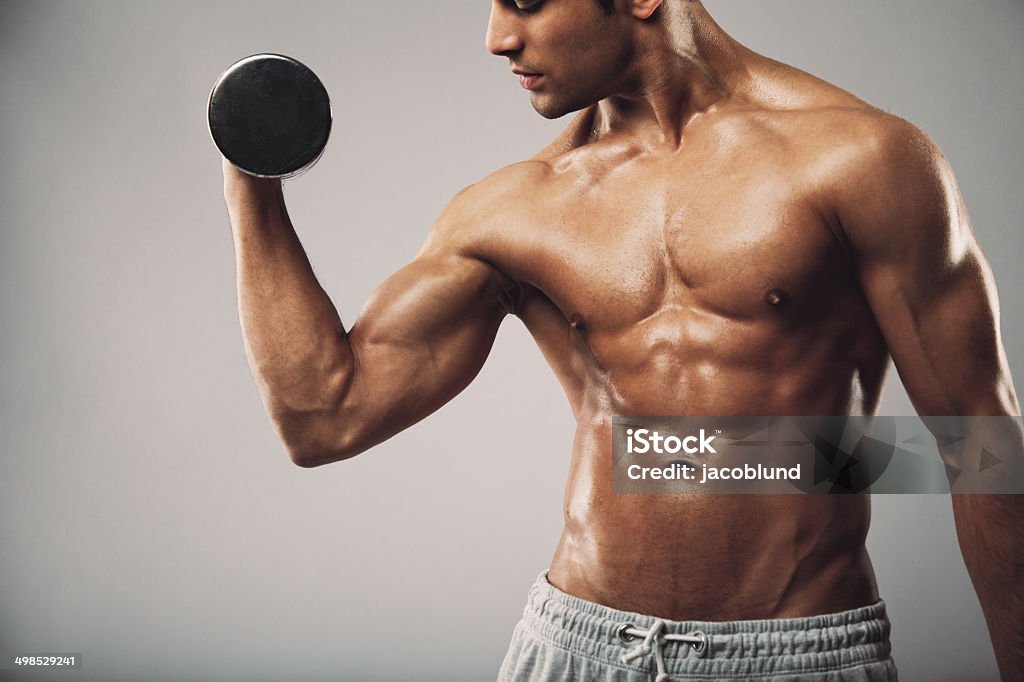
(308, 458)
(312, 452)
(311, 458)
(320, 430)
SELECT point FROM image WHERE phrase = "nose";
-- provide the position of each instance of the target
(503, 35)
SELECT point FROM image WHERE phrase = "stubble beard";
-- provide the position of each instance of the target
(552, 108)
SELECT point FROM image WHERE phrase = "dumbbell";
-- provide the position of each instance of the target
(270, 116)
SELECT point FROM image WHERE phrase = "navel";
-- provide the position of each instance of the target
(577, 322)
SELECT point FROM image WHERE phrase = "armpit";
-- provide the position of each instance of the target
(510, 295)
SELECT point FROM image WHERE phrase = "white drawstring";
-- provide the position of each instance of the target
(654, 640)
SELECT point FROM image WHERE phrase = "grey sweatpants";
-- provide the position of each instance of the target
(564, 638)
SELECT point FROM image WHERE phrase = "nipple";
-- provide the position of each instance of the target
(776, 297)
(577, 323)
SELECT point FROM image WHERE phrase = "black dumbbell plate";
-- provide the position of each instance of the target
(270, 115)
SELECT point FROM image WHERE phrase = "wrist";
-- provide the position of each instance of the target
(242, 189)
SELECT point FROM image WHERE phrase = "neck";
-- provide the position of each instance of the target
(685, 65)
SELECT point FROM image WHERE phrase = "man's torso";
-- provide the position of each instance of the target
(709, 279)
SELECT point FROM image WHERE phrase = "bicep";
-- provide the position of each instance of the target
(942, 332)
(422, 336)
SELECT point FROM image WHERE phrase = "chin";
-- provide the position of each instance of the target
(550, 114)
(551, 109)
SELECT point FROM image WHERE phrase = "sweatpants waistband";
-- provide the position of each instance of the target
(787, 646)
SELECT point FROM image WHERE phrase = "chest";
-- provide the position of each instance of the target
(735, 235)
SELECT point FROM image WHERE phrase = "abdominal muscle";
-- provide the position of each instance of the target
(707, 557)
(702, 556)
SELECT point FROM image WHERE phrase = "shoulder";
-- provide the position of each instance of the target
(875, 175)
(852, 152)
(824, 118)
(891, 190)
(886, 170)
(880, 145)
(500, 191)
(841, 128)
(488, 207)
(858, 163)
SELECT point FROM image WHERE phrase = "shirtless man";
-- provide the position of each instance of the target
(715, 233)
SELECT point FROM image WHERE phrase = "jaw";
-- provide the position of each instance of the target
(552, 104)
(554, 100)
(548, 108)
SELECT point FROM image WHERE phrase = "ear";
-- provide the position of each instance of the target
(643, 9)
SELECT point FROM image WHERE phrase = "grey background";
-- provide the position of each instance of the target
(148, 517)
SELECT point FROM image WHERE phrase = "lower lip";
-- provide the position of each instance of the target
(530, 82)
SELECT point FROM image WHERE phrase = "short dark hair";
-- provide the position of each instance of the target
(607, 5)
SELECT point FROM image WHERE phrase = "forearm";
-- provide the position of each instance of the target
(988, 454)
(294, 339)
(991, 533)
